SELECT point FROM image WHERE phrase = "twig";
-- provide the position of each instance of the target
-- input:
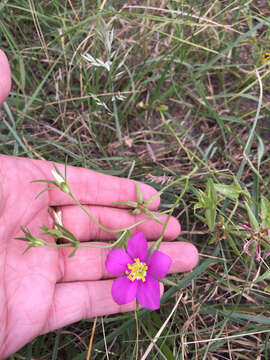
(91, 339)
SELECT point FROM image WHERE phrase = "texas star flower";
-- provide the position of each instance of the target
(139, 272)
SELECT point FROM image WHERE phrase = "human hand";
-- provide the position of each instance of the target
(43, 289)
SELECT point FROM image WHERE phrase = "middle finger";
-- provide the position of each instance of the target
(76, 221)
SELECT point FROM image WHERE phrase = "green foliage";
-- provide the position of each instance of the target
(252, 218)
(208, 201)
(265, 212)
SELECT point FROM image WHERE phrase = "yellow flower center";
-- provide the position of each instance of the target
(137, 270)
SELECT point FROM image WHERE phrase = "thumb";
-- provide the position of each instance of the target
(5, 77)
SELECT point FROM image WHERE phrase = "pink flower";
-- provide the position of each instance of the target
(256, 237)
(139, 272)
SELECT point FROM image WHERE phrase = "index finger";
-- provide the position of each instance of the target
(93, 188)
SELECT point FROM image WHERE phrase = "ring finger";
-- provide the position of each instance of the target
(89, 263)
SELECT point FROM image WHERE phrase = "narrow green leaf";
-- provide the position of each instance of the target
(28, 248)
(17, 138)
(252, 219)
(122, 239)
(166, 281)
(232, 244)
(260, 150)
(44, 181)
(138, 193)
(56, 345)
(211, 191)
(59, 172)
(56, 234)
(211, 210)
(46, 189)
(264, 276)
(210, 215)
(73, 252)
(131, 204)
(265, 212)
(70, 236)
(152, 199)
(229, 190)
(152, 216)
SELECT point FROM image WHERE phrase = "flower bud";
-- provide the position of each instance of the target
(60, 181)
(37, 242)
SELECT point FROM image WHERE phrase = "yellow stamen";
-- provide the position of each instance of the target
(266, 58)
(138, 270)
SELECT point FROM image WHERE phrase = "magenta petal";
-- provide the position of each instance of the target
(258, 253)
(137, 246)
(116, 262)
(158, 264)
(247, 228)
(148, 293)
(124, 290)
(246, 247)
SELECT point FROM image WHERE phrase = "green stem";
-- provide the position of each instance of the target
(79, 244)
(137, 332)
(158, 242)
(103, 227)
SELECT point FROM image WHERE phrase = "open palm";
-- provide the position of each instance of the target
(43, 289)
